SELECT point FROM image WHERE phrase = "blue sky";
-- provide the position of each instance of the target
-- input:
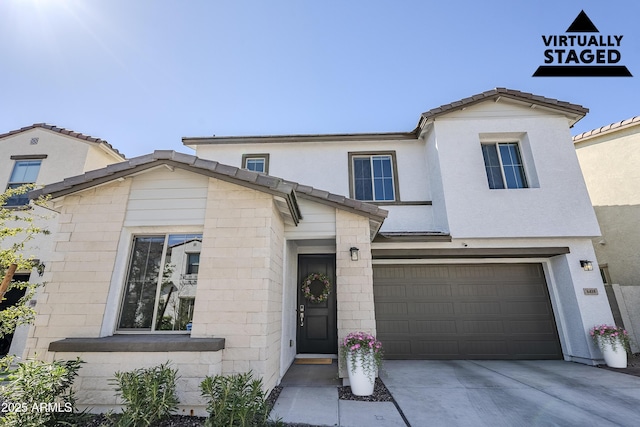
(141, 74)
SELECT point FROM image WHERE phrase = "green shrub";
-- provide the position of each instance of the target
(39, 394)
(149, 395)
(235, 400)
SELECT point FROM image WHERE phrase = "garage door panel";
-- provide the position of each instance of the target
(523, 290)
(392, 309)
(395, 327)
(427, 272)
(424, 327)
(431, 308)
(432, 291)
(489, 311)
(477, 290)
(526, 308)
(533, 326)
(390, 291)
(400, 349)
(481, 349)
(478, 327)
(429, 348)
(482, 308)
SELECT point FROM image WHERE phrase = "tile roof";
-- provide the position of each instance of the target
(267, 183)
(575, 111)
(63, 131)
(608, 128)
(498, 92)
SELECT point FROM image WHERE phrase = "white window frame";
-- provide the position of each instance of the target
(246, 158)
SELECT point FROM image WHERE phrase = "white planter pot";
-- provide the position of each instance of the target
(361, 380)
(614, 358)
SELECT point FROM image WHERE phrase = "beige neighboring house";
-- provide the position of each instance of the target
(43, 154)
(610, 160)
(460, 239)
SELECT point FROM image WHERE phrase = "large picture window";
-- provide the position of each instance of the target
(161, 283)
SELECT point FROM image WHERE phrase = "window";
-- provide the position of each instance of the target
(193, 263)
(372, 177)
(256, 162)
(24, 172)
(161, 283)
(604, 273)
(503, 164)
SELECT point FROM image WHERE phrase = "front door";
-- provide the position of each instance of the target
(317, 321)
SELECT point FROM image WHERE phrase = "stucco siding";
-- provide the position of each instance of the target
(65, 155)
(610, 164)
(558, 206)
(325, 164)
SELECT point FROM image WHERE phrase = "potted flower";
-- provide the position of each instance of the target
(614, 343)
(363, 356)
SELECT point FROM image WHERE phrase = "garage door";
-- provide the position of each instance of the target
(477, 311)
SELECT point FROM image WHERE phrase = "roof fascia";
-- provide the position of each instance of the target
(296, 139)
(280, 188)
(572, 111)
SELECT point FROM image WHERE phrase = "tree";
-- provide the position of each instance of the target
(18, 225)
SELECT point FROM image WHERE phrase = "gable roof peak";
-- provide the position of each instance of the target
(574, 111)
(67, 132)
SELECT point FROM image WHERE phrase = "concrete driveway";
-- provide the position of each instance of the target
(512, 393)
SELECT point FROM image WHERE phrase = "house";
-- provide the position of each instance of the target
(610, 157)
(465, 238)
(42, 154)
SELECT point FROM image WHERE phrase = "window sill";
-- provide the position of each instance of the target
(400, 203)
(135, 343)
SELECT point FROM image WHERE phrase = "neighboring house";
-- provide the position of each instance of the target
(610, 161)
(42, 154)
(462, 239)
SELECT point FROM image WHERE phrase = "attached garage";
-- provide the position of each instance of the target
(465, 311)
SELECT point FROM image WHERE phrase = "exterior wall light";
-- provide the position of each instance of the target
(586, 265)
(355, 253)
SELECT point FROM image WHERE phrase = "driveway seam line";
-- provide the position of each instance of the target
(542, 391)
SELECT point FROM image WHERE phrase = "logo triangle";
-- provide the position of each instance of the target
(582, 24)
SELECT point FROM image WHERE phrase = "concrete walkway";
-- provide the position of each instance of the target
(474, 394)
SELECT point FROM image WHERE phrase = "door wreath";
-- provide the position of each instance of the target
(306, 288)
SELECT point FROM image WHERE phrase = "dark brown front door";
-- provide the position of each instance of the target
(317, 322)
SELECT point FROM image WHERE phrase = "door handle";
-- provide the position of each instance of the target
(301, 315)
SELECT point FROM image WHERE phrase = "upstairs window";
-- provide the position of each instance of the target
(504, 166)
(256, 162)
(161, 283)
(24, 172)
(373, 177)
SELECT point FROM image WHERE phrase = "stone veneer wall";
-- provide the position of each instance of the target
(240, 279)
(73, 300)
(354, 279)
